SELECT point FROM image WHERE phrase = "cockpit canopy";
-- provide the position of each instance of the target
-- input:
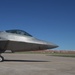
(20, 32)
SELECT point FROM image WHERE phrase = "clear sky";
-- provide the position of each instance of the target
(50, 20)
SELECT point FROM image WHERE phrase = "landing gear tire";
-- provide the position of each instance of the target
(1, 58)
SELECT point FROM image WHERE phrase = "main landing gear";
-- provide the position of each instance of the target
(1, 58)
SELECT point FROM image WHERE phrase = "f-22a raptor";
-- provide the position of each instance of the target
(19, 40)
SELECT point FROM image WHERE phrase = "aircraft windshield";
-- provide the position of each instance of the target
(21, 32)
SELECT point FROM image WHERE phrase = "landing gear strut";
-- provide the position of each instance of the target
(1, 58)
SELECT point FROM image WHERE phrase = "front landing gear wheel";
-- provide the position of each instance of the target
(1, 58)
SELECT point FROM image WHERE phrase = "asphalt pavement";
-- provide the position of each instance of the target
(36, 64)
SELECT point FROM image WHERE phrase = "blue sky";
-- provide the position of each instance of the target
(50, 20)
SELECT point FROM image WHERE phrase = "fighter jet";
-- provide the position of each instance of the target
(19, 40)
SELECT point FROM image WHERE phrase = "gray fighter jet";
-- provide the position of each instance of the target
(19, 40)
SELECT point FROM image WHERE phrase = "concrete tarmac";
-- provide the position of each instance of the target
(36, 64)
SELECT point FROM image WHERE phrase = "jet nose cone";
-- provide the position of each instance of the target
(45, 45)
(54, 46)
(51, 45)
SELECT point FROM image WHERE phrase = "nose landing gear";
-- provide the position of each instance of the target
(1, 58)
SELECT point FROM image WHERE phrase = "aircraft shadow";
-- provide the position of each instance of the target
(7, 60)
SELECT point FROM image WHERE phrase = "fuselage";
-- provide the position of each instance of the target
(22, 41)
